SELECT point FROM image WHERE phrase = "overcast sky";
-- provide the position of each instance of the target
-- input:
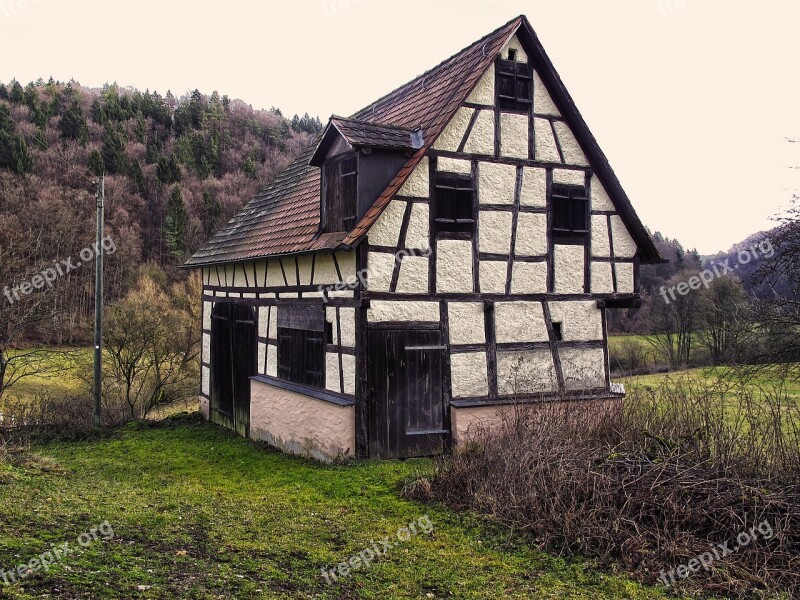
(691, 100)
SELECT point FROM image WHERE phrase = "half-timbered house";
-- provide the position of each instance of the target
(444, 253)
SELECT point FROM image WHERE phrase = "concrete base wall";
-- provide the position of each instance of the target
(300, 424)
(203, 406)
(466, 422)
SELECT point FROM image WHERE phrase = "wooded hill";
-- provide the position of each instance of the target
(177, 168)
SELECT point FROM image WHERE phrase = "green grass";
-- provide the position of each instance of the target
(201, 513)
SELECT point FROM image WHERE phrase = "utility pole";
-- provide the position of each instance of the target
(98, 300)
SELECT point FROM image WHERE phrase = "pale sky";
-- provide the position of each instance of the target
(691, 100)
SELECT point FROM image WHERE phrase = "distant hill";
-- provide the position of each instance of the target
(177, 169)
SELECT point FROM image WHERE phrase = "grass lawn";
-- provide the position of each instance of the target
(200, 513)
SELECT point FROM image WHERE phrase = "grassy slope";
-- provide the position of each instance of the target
(200, 513)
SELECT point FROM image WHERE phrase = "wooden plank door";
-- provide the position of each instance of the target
(406, 412)
(243, 365)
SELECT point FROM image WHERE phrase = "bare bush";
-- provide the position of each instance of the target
(652, 486)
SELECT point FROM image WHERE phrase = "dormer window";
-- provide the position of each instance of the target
(341, 193)
(514, 85)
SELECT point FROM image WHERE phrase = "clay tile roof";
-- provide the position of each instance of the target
(284, 217)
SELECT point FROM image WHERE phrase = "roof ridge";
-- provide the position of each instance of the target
(374, 124)
(519, 19)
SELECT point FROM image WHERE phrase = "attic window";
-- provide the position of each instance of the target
(512, 54)
(341, 193)
(514, 85)
(570, 220)
(453, 205)
(558, 331)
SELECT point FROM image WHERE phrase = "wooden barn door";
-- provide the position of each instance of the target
(406, 412)
(233, 362)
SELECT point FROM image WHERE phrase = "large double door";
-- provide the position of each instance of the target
(233, 362)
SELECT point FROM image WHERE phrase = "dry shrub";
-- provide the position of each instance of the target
(677, 471)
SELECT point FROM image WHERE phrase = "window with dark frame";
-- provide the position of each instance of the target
(341, 193)
(453, 206)
(558, 331)
(514, 85)
(301, 345)
(570, 206)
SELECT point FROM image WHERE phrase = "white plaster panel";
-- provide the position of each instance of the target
(381, 267)
(481, 138)
(526, 372)
(483, 93)
(454, 266)
(203, 407)
(263, 321)
(514, 135)
(534, 187)
(496, 183)
(413, 277)
(568, 265)
(341, 294)
(300, 424)
(248, 295)
(417, 235)
(569, 177)
(602, 283)
(492, 275)
(272, 360)
(583, 368)
(402, 310)
(624, 246)
(206, 381)
(304, 264)
(288, 295)
(445, 164)
(262, 355)
(386, 230)
(240, 279)
(261, 265)
(494, 231)
(519, 322)
(544, 142)
(600, 198)
(469, 374)
(514, 44)
(349, 373)
(573, 154)
(330, 317)
(529, 278)
(418, 183)
(466, 321)
(273, 322)
(531, 234)
(600, 245)
(624, 278)
(581, 321)
(453, 133)
(542, 101)
(274, 274)
(207, 309)
(347, 322)
(347, 263)
(325, 270)
(206, 358)
(332, 381)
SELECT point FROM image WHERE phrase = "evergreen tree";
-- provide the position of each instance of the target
(213, 212)
(168, 170)
(73, 124)
(17, 94)
(113, 149)
(176, 224)
(137, 178)
(3, 92)
(95, 163)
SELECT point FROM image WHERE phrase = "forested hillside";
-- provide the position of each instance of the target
(176, 169)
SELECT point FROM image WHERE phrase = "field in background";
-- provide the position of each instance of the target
(64, 381)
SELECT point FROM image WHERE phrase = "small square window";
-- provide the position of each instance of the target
(569, 212)
(558, 331)
(453, 206)
(514, 85)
